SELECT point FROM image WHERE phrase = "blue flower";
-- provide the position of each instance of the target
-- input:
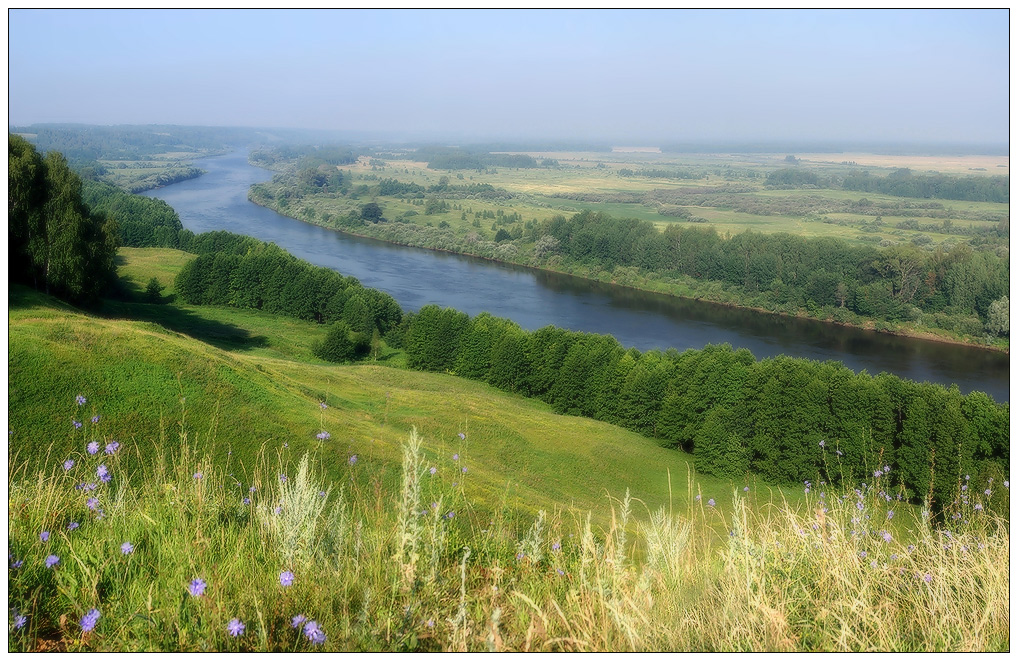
(246, 501)
(197, 476)
(77, 425)
(432, 471)
(69, 464)
(462, 436)
(456, 457)
(323, 405)
(235, 627)
(323, 436)
(19, 621)
(297, 620)
(127, 548)
(352, 460)
(72, 525)
(196, 587)
(92, 447)
(89, 619)
(313, 633)
(95, 419)
(92, 503)
(286, 578)
(52, 560)
(44, 535)
(112, 447)
(711, 502)
(80, 400)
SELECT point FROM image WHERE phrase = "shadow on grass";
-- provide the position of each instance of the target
(188, 322)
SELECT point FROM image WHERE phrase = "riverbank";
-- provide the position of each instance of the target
(437, 239)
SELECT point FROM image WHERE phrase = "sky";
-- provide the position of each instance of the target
(643, 77)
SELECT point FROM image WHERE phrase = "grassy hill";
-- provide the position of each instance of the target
(222, 522)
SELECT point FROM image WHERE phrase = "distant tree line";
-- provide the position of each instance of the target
(56, 243)
(243, 272)
(883, 284)
(448, 158)
(659, 173)
(787, 420)
(900, 183)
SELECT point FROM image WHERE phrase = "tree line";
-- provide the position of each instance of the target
(787, 420)
(56, 243)
(883, 284)
(901, 182)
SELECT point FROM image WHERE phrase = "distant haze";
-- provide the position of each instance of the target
(626, 78)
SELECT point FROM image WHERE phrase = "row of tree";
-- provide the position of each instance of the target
(883, 284)
(787, 420)
(243, 272)
(900, 183)
(56, 243)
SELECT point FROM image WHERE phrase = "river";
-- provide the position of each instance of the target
(416, 277)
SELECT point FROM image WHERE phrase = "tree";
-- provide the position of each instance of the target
(997, 317)
(340, 345)
(153, 291)
(371, 212)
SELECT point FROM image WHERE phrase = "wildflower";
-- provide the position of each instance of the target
(313, 633)
(92, 447)
(19, 621)
(964, 487)
(323, 436)
(806, 490)
(89, 619)
(286, 578)
(890, 514)
(80, 400)
(838, 452)
(112, 447)
(95, 419)
(430, 623)
(987, 492)
(877, 473)
(560, 572)
(198, 475)
(863, 554)
(323, 405)
(910, 548)
(697, 497)
(246, 501)
(895, 556)
(887, 536)
(69, 464)
(1005, 483)
(821, 443)
(978, 507)
(283, 478)
(102, 471)
(449, 514)
(91, 486)
(927, 578)
(462, 436)
(92, 503)
(456, 457)
(746, 489)
(432, 470)
(859, 505)
(16, 564)
(520, 556)
(52, 560)
(235, 627)
(873, 564)
(297, 620)
(252, 490)
(127, 548)
(556, 545)
(44, 535)
(321, 494)
(77, 425)
(711, 502)
(73, 525)
(286, 445)
(352, 460)
(967, 478)
(279, 508)
(463, 470)
(196, 587)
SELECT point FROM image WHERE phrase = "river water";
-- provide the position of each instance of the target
(416, 277)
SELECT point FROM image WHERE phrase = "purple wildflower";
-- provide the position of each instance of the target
(462, 436)
(323, 405)
(313, 633)
(112, 447)
(127, 548)
(978, 507)
(859, 505)
(80, 400)
(556, 546)
(91, 486)
(92, 503)
(196, 587)
(987, 492)
(89, 619)
(283, 478)
(246, 501)
(95, 419)
(430, 624)
(297, 620)
(877, 473)
(16, 564)
(69, 464)
(252, 490)
(697, 497)
(863, 554)
(821, 443)
(323, 436)
(838, 452)
(711, 502)
(44, 535)
(432, 470)
(52, 560)
(1005, 483)
(746, 489)
(352, 460)
(19, 621)
(449, 514)
(321, 494)
(92, 447)
(198, 475)
(77, 425)
(463, 470)
(890, 514)
(235, 627)
(73, 525)
(560, 572)
(927, 578)
(286, 578)
(456, 457)
(887, 536)
(102, 471)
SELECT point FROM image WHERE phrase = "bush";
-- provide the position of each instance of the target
(341, 345)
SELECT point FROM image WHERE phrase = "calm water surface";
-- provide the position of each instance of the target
(417, 277)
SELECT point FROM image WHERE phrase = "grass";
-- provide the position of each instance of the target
(182, 553)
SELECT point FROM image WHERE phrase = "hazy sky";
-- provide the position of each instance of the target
(911, 75)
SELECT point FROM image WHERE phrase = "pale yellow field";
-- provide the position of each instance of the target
(992, 165)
